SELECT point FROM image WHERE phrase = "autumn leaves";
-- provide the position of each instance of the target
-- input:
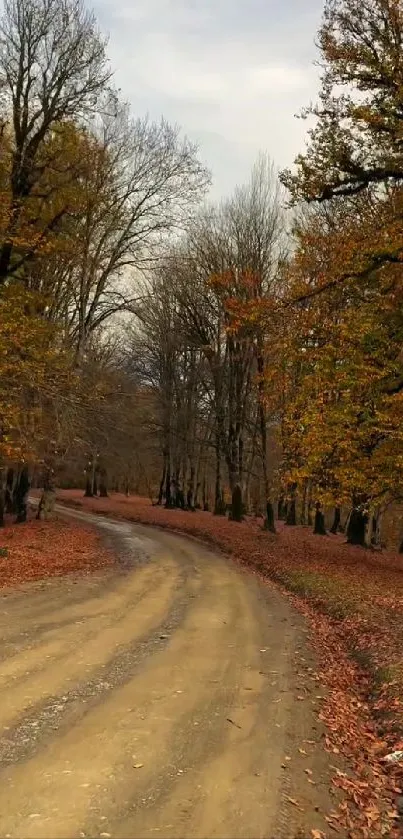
(87, 192)
(269, 358)
(341, 374)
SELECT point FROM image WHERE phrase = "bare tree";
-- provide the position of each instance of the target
(144, 182)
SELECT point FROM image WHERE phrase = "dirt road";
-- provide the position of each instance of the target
(170, 697)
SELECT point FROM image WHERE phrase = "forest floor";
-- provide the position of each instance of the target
(37, 550)
(353, 600)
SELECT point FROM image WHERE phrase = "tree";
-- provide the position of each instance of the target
(53, 68)
(341, 350)
(35, 375)
(231, 255)
(142, 182)
(358, 137)
(346, 286)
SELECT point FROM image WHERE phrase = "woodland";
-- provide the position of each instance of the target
(240, 358)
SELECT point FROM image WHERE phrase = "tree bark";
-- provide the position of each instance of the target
(282, 509)
(3, 478)
(206, 506)
(88, 488)
(303, 517)
(103, 486)
(292, 507)
(162, 483)
(356, 527)
(9, 492)
(306, 505)
(168, 496)
(269, 521)
(336, 521)
(191, 487)
(377, 535)
(218, 499)
(21, 496)
(309, 505)
(372, 528)
(48, 497)
(319, 525)
(236, 506)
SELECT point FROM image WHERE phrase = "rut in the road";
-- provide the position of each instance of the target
(117, 696)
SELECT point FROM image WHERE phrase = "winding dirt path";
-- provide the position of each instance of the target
(170, 697)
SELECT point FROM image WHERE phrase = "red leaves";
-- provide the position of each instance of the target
(46, 549)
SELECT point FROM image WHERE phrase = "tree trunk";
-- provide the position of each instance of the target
(309, 505)
(206, 505)
(21, 496)
(303, 516)
(282, 509)
(3, 478)
(9, 492)
(292, 513)
(162, 483)
(292, 507)
(269, 521)
(90, 480)
(371, 528)
(319, 525)
(88, 487)
(191, 488)
(356, 527)
(377, 536)
(48, 497)
(336, 521)
(103, 487)
(236, 506)
(218, 505)
(196, 501)
(306, 506)
(168, 497)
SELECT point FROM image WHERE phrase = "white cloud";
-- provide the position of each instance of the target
(233, 74)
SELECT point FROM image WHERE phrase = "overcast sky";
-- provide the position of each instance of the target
(232, 73)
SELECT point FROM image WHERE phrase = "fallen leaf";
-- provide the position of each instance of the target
(294, 802)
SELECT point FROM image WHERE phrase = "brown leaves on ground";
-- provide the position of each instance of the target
(47, 549)
(353, 600)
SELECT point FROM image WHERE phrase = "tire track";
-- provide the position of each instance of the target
(170, 712)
